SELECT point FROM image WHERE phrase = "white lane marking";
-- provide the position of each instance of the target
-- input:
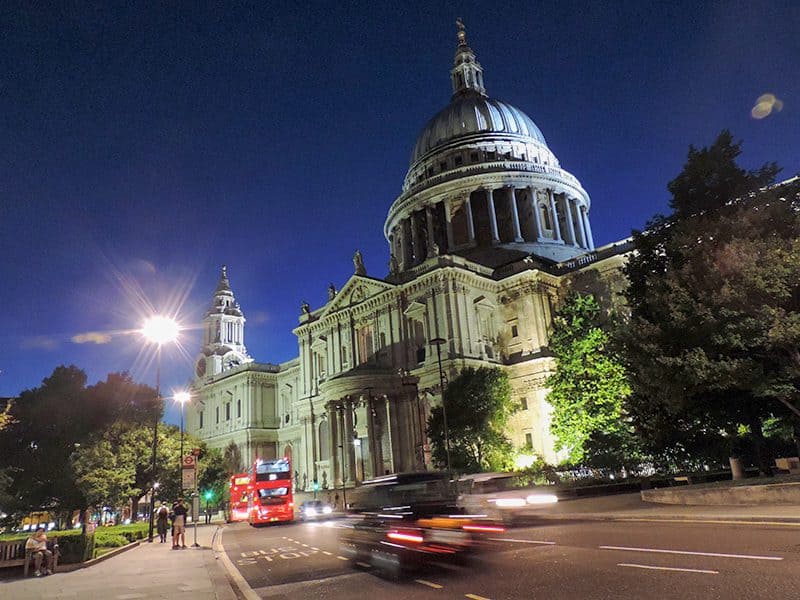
(475, 597)
(717, 554)
(709, 521)
(435, 586)
(314, 548)
(326, 553)
(521, 541)
(304, 545)
(654, 568)
(342, 558)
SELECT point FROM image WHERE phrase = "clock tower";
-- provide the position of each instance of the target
(223, 333)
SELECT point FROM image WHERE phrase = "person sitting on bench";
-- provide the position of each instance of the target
(37, 545)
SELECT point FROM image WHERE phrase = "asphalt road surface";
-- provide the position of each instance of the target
(553, 560)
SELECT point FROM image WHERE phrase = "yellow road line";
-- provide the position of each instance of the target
(327, 553)
(475, 597)
(342, 558)
(435, 586)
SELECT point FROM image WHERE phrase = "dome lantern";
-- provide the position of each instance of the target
(467, 73)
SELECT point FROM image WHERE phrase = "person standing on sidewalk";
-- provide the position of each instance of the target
(179, 512)
(162, 516)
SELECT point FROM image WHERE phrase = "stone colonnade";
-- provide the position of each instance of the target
(492, 215)
(388, 437)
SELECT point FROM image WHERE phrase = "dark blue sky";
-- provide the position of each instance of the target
(142, 145)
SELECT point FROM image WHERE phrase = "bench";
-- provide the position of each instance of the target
(13, 554)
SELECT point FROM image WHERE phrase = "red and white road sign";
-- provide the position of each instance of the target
(189, 461)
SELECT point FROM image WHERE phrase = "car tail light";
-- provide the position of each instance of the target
(405, 536)
(484, 528)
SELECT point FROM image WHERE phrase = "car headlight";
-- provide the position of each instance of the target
(542, 499)
(311, 512)
(510, 502)
(327, 510)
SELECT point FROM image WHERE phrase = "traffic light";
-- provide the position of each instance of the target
(208, 495)
(316, 486)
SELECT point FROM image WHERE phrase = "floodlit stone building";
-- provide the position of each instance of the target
(485, 234)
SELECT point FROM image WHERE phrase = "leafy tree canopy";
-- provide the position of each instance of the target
(589, 385)
(479, 405)
(715, 303)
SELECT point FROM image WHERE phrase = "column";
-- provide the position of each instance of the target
(389, 434)
(588, 227)
(448, 224)
(515, 215)
(492, 215)
(537, 218)
(349, 448)
(470, 222)
(429, 223)
(415, 258)
(570, 225)
(556, 226)
(579, 219)
(336, 476)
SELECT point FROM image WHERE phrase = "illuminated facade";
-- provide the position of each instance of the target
(486, 233)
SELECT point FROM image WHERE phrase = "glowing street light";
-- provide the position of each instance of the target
(158, 330)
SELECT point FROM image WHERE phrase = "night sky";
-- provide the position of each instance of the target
(143, 145)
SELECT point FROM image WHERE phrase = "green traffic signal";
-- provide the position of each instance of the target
(208, 495)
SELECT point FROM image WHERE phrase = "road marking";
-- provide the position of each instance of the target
(364, 565)
(314, 548)
(326, 553)
(521, 541)
(342, 558)
(475, 597)
(717, 554)
(667, 568)
(435, 586)
(708, 521)
(304, 545)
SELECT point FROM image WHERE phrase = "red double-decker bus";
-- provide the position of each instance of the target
(272, 499)
(240, 492)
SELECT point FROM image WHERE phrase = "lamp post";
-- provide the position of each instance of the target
(158, 330)
(182, 398)
(438, 343)
(340, 407)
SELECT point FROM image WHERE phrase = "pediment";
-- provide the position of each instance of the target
(357, 290)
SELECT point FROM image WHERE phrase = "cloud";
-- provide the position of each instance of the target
(91, 337)
(39, 342)
(765, 105)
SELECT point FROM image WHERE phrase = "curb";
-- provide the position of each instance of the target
(786, 521)
(239, 583)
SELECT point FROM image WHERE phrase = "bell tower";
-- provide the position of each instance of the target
(223, 333)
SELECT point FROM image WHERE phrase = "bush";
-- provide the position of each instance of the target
(105, 539)
(74, 547)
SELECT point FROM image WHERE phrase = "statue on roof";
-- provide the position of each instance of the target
(331, 292)
(358, 263)
(305, 308)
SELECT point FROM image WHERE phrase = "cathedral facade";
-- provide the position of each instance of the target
(485, 235)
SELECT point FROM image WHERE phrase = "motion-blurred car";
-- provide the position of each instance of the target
(399, 522)
(315, 509)
(504, 497)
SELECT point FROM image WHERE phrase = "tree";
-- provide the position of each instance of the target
(715, 305)
(479, 404)
(589, 385)
(5, 415)
(232, 459)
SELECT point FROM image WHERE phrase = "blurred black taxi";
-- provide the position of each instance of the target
(398, 522)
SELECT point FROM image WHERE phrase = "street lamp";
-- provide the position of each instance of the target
(157, 330)
(341, 407)
(438, 343)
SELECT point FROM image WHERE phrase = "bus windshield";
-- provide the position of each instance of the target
(273, 470)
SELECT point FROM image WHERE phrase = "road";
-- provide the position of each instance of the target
(553, 560)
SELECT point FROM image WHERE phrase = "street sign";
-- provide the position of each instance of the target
(189, 461)
(189, 479)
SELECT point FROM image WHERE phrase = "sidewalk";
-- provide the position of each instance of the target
(147, 571)
(623, 507)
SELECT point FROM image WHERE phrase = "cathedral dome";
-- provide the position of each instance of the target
(469, 114)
